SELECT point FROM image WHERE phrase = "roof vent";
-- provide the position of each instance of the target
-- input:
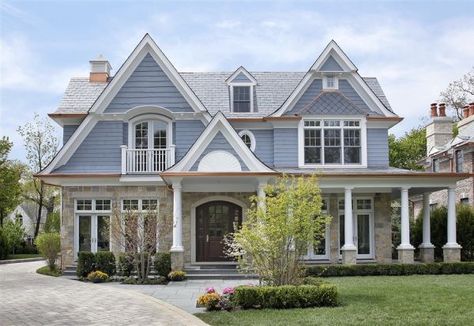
(100, 70)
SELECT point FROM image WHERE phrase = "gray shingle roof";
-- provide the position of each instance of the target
(272, 89)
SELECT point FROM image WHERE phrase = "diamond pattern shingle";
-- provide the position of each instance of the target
(331, 103)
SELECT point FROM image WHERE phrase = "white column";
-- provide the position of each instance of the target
(348, 223)
(261, 193)
(123, 150)
(426, 222)
(451, 219)
(405, 221)
(177, 218)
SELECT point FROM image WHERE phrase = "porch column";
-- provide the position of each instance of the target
(261, 193)
(349, 250)
(405, 249)
(451, 250)
(177, 250)
(426, 247)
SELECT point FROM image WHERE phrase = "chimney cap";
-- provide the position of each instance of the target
(100, 58)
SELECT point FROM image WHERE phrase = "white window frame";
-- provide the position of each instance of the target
(334, 86)
(363, 141)
(253, 142)
(149, 118)
(251, 86)
(355, 212)
(140, 203)
(327, 238)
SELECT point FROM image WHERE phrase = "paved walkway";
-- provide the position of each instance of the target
(181, 294)
(27, 298)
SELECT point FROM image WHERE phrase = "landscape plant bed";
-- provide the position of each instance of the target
(46, 271)
(391, 269)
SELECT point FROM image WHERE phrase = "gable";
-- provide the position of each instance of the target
(331, 103)
(331, 65)
(148, 85)
(219, 143)
(241, 78)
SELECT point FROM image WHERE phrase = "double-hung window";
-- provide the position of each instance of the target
(332, 142)
(241, 100)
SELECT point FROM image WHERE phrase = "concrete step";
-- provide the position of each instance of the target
(219, 276)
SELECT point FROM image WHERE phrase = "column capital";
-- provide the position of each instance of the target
(452, 188)
(177, 185)
(405, 188)
(348, 188)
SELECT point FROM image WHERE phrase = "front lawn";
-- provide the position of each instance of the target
(375, 300)
(23, 256)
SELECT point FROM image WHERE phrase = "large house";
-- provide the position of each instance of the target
(198, 144)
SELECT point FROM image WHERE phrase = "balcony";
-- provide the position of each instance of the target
(144, 161)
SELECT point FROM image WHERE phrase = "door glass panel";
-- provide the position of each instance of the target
(159, 134)
(103, 233)
(363, 234)
(84, 233)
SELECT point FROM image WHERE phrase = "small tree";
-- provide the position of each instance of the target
(405, 152)
(279, 229)
(49, 245)
(10, 175)
(41, 146)
(52, 223)
(137, 234)
(14, 233)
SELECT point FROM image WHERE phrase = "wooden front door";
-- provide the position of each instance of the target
(213, 221)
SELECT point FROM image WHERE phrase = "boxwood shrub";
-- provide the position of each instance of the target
(163, 263)
(286, 296)
(105, 262)
(125, 264)
(391, 269)
(85, 263)
(88, 262)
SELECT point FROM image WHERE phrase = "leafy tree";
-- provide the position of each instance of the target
(15, 233)
(49, 246)
(52, 223)
(459, 93)
(10, 175)
(41, 146)
(278, 230)
(405, 152)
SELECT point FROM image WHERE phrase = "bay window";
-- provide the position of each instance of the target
(332, 142)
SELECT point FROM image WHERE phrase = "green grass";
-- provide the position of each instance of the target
(46, 271)
(23, 256)
(375, 300)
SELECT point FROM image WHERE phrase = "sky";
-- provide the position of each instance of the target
(414, 48)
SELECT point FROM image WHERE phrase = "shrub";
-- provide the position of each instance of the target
(391, 269)
(177, 276)
(4, 247)
(150, 281)
(14, 232)
(105, 261)
(311, 280)
(85, 263)
(286, 296)
(210, 301)
(49, 246)
(163, 263)
(125, 264)
(97, 277)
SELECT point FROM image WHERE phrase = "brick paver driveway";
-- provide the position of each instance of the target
(27, 298)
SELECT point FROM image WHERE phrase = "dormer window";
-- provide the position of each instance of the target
(330, 82)
(241, 100)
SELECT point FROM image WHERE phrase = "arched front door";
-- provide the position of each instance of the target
(214, 220)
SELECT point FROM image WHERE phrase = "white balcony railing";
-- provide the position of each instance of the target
(147, 160)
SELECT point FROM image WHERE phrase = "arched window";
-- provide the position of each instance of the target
(248, 138)
(151, 134)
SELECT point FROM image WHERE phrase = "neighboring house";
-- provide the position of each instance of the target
(198, 144)
(446, 153)
(26, 213)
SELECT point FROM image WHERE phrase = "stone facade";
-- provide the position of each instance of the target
(382, 216)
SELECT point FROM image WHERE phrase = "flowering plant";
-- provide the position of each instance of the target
(228, 291)
(210, 301)
(210, 290)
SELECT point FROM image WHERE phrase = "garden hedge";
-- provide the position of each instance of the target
(105, 262)
(391, 269)
(163, 263)
(286, 296)
(88, 262)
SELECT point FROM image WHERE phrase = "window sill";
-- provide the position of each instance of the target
(332, 166)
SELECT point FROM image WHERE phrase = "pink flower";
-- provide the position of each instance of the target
(210, 290)
(228, 290)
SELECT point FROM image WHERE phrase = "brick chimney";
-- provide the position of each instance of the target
(439, 130)
(100, 70)
(466, 125)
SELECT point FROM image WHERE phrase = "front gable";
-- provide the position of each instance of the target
(331, 65)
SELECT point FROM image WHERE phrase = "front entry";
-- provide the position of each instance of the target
(93, 233)
(214, 220)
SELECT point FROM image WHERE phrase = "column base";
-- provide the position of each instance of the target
(426, 252)
(349, 255)
(406, 255)
(177, 259)
(451, 253)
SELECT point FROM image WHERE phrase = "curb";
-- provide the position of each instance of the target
(23, 260)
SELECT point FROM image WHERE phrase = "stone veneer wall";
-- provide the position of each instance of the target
(115, 193)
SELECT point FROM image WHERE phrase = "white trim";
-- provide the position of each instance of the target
(333, 49)
(219, 123)
(149, 118)
(325, 82)
(219, 161)
(247, 74)
(253, 142)
(363, 134)
(231, 90)
(193, 221)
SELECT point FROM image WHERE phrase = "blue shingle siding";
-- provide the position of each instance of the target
(377, 147)
(331, 65)
(264, 144)
(185, 134)
(349, 92)
(148, 84)
(308, 96)
(285, 147)
(241, 78)
(219, 143)
(68, 130)
(125, 135)
(99, 152)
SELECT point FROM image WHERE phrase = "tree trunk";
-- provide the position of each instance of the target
(40, 208)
